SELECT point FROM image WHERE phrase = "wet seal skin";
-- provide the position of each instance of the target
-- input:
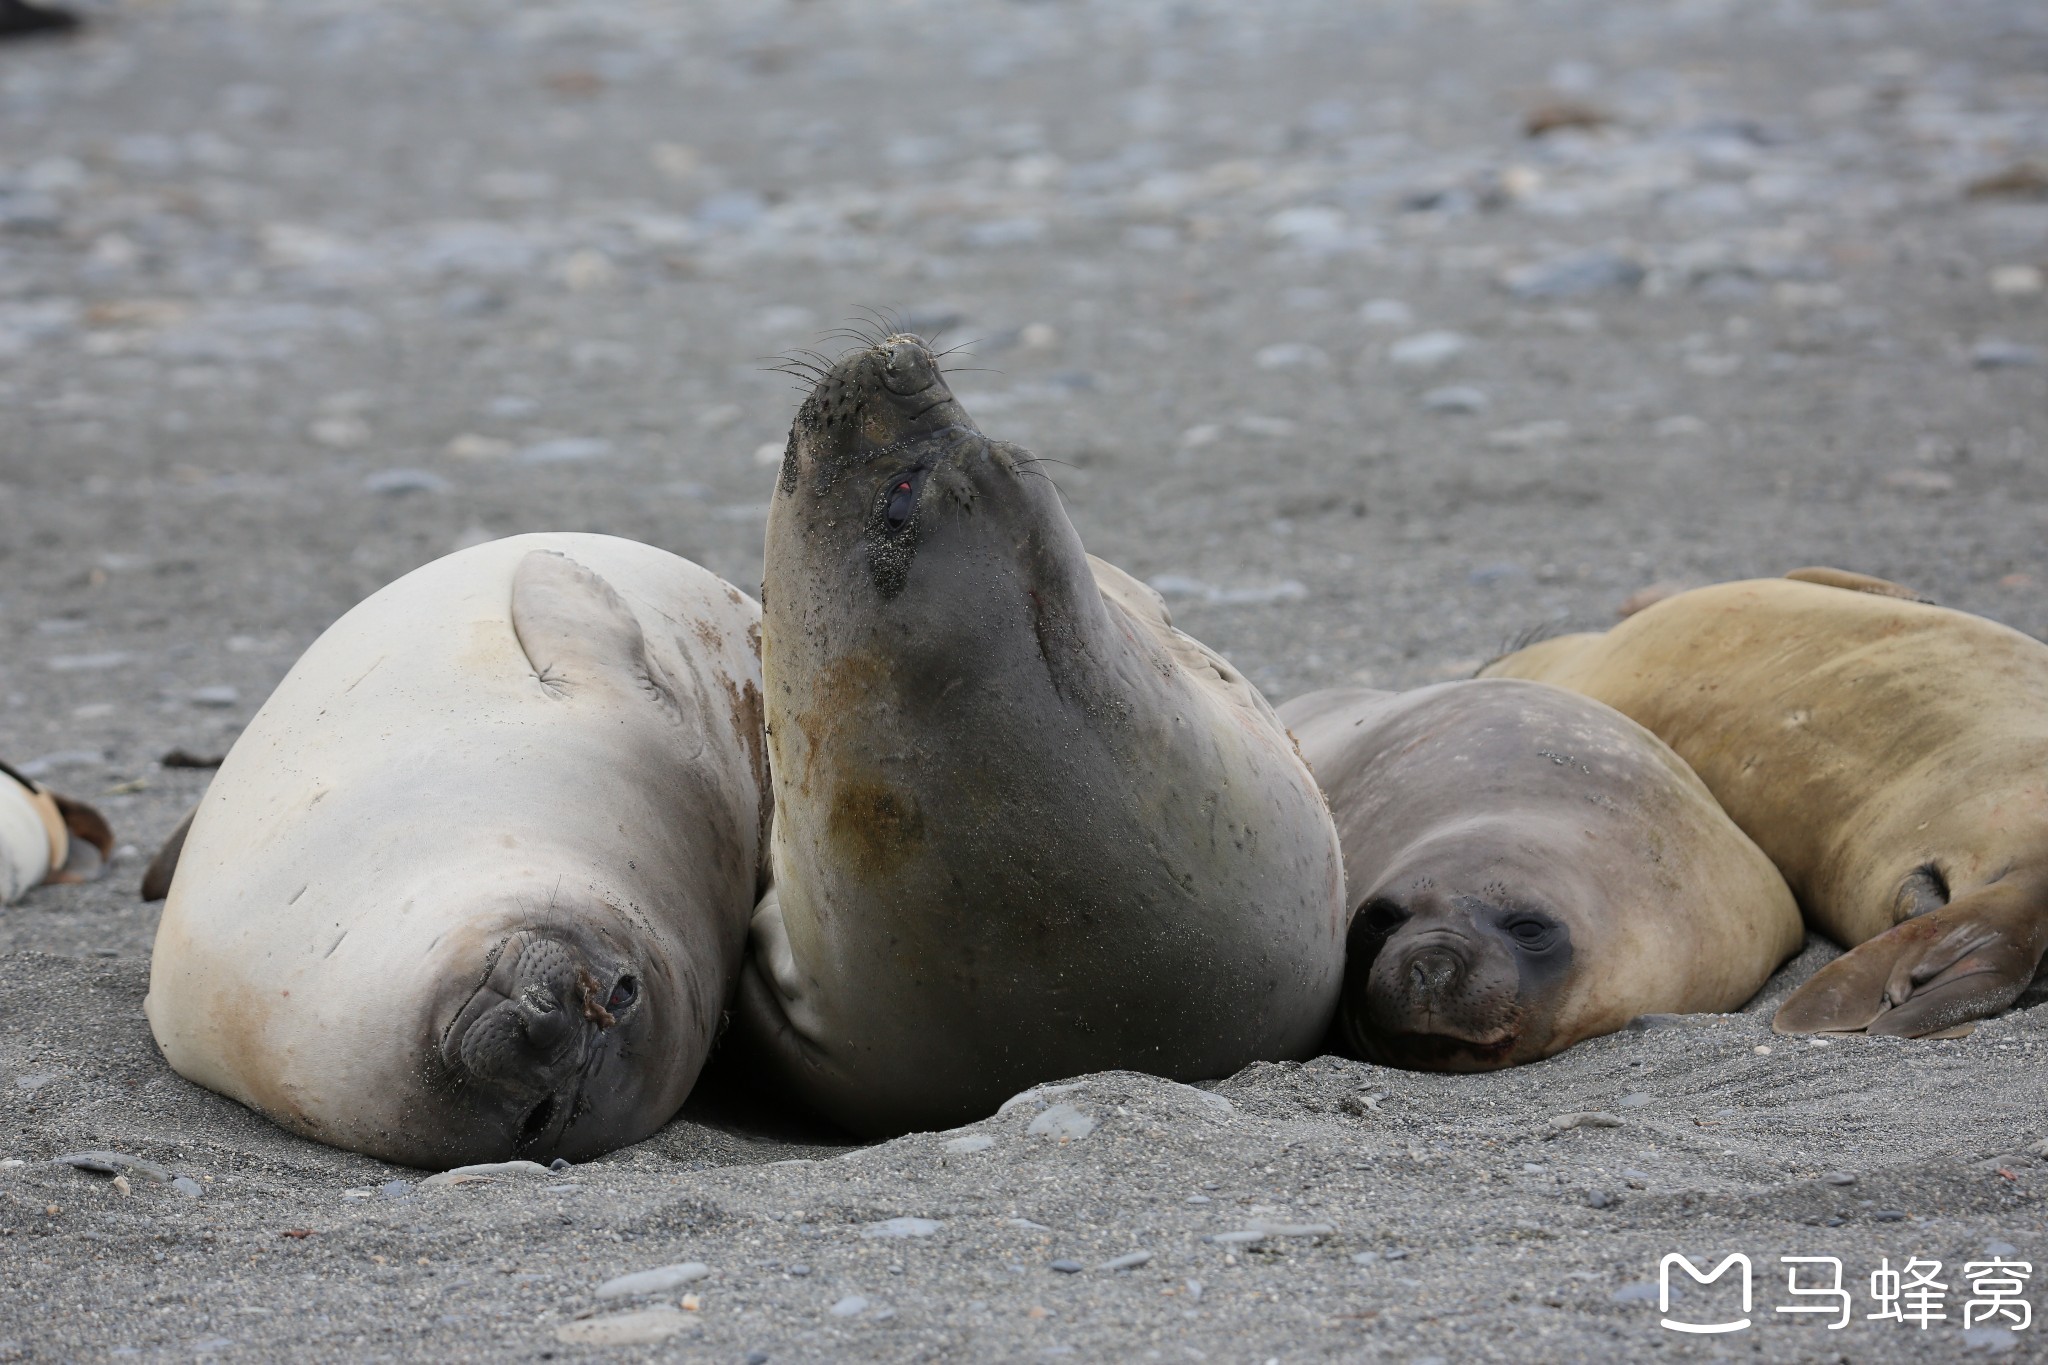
(1891, 756)
(474, 883)
(1528, 869)
(1024, 827)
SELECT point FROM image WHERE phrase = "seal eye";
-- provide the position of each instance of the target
(623, 994)
(1381, 916)
(1530, 932)
(902, 499)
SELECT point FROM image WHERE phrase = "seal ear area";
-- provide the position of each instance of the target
(578, 633)
(1857, 582)
(1965, 961)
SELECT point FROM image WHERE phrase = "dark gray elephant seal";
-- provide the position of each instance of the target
(1025, 828)
(475, 881)
(1529, 869)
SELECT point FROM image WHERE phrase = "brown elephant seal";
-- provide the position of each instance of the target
(46, 839)
(1889, 755)
(1024, 827)
(475, 881)
(1528, 869)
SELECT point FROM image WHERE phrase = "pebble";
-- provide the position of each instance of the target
(113, 1163)
(853, 1305)
(1065, 1267)
(1601, 1199)
(1998, 1248)
(1888, 1216)
(565, 450)
(1926, 483)
(1292, 355)
(1130, 1260)
(656, 1281)
(1991, 1341)
(904, 1227)
(1564, 1123)
(1994, 354)
(213, 696)
(1427, 350)
(1527, 436)
(641, 1328)
(1198, 1199)
(395, 482)
(1642, 1291)
(484, 1173)
(1062, 1121)
(187, 1186)
(472, 446)
(973, 1142)
(88, 663)
(1838, 1178)
(1456, 398)
(1575, 276)
(1636, 1100)
(2017, 281)
(1386, 313)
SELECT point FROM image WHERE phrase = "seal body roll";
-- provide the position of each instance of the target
(1890, 756)
(474, 882)
(1527, 869)
(1025, 828)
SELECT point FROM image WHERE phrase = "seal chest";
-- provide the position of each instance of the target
(1024, 827)
(474, 883)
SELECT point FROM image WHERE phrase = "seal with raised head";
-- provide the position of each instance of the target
(1528, 869)
(1024, 827)
(1891, 756)
(475, 881)
(46, 839)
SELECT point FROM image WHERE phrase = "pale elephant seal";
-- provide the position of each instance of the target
(475, 881)
(1024, 827)
(1889, 755)
(46, 839)
(1528, 869)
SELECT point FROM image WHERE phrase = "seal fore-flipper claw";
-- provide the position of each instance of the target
(1965, 961)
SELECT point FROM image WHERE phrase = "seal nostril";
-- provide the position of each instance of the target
(1433, 972)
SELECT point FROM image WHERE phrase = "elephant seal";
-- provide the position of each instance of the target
(1891, 756)
(475, 881)
(46, 839)
(1024, 827)
(1528, 869)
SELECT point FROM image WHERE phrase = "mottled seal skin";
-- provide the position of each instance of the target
(475, 881)
(1890, 756)
(1025, 828)
(46, 839)
(1528, 869)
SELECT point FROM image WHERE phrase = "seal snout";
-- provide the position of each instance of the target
(907, 365)
(537, 1014)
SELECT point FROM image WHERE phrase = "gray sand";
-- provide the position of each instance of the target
(295, 297)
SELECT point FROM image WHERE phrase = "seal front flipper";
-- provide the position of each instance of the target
(577, 631)
(156, 882)
(1856, 582)
(1965, 961)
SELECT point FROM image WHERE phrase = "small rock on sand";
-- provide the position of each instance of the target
(656, 1281)
(641, 1328)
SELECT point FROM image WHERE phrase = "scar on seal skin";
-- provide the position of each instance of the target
(1891, 756)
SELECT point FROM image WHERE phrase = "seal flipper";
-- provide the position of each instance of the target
(1856, 582)
(91, 844)
(577, 631)
(1967, 960)
(156, 882)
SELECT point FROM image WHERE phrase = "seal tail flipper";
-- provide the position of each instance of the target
(1856, 582)
(1967, 960)
(91, 844)
(156, 882)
